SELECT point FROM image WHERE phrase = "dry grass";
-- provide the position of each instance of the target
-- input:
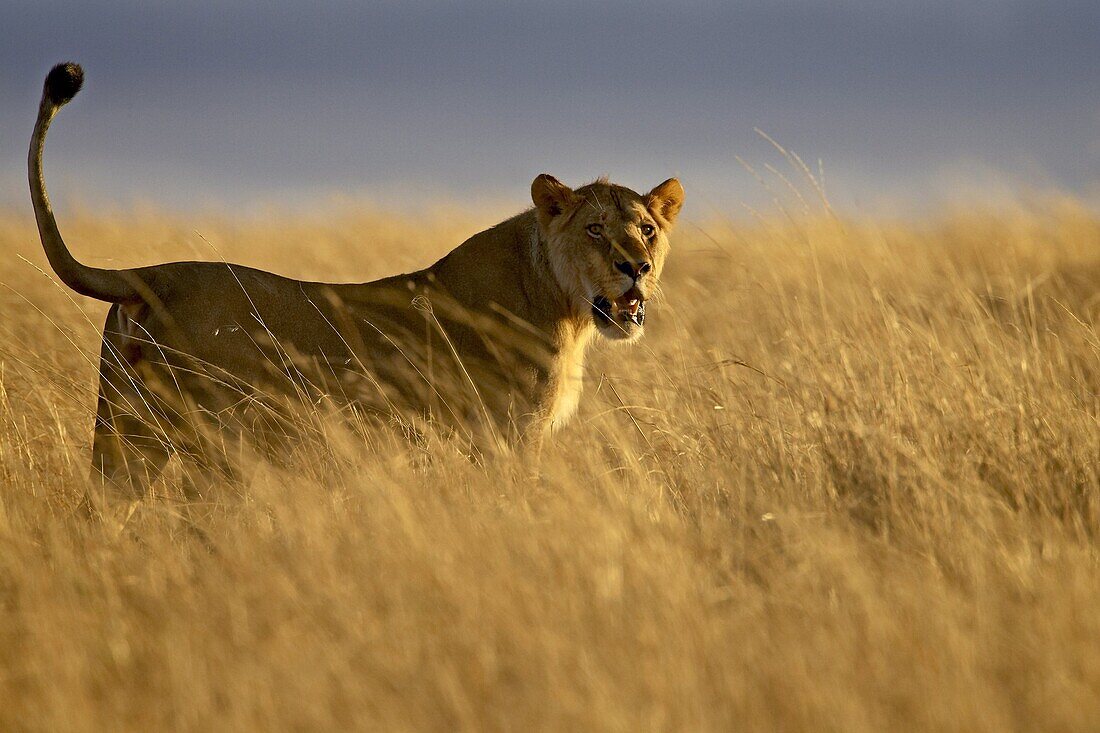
(849, 481)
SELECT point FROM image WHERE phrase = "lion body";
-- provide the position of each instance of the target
(490, 339)
(475, 338)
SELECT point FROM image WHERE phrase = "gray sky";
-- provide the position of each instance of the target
(192, 104)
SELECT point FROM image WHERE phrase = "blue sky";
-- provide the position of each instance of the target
(206, 103)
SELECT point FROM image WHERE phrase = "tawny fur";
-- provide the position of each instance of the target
(491, 338)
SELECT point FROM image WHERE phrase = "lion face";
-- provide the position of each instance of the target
(607, 246)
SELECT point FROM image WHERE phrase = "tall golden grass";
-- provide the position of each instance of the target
(850, 480)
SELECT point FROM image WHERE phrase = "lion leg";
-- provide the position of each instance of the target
(128, 453)
(131, 443)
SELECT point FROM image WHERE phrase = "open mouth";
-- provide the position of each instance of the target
(626, 309)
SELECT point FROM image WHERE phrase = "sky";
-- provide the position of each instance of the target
(218, 104)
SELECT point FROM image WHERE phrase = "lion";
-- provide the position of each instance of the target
(492, 335)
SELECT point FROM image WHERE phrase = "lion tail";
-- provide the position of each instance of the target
(116, 286)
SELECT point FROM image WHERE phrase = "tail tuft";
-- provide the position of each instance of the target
(63, 82)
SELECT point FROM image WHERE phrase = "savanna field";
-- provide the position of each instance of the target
(850, 480)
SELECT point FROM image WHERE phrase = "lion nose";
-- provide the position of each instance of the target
(633, 271)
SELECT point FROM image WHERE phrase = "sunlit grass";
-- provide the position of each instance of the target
(849, 480)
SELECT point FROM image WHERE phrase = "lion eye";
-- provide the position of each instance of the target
(595, 230)
(648, 230)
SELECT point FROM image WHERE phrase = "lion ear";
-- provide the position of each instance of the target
(665, 200)
(551, 197)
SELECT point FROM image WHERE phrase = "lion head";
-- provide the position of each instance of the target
(607, 246)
